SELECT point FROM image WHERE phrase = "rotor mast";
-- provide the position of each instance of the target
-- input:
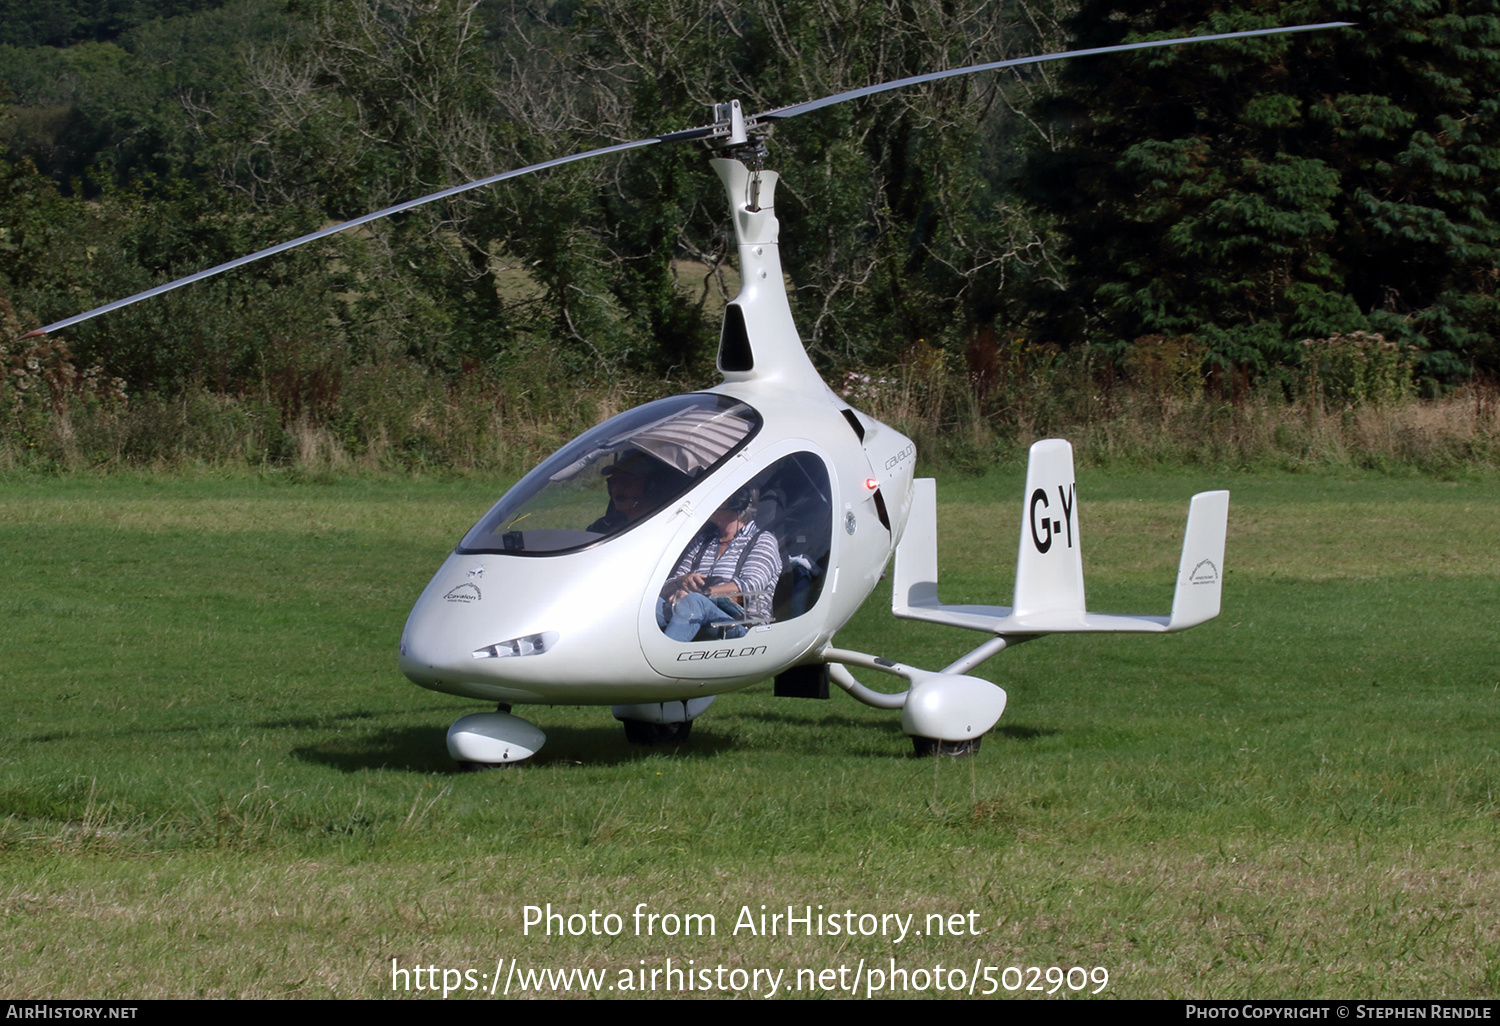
(759, 341)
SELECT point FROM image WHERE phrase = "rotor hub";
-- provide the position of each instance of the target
(738, 137)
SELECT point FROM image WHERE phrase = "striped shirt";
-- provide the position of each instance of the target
(757, 581)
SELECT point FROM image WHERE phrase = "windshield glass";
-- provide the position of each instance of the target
(614, 476)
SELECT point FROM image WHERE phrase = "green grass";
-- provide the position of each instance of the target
(214, 781)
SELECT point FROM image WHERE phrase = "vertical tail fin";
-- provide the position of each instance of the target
(1049, 564)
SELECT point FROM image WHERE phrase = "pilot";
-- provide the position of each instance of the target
(629, 483)
(725, 578)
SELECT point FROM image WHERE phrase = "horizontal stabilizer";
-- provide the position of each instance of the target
(1049, 592)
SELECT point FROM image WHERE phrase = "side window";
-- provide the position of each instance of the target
(762, 558)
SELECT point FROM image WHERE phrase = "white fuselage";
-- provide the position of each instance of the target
(600, 603)
(597, 606)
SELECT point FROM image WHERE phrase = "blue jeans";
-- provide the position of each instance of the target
(692, 613)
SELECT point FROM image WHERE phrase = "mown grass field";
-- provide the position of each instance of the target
(214, 782)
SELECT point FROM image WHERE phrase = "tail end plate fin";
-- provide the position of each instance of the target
(1200, 574)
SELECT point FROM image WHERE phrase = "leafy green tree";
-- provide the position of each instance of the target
(897, 228)
(256, 330)
(1255, 193)
(893, 226)
(149, 102)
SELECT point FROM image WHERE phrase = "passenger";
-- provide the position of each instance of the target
(629, 483)
(725, 578)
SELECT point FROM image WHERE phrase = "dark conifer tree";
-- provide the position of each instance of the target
(1260, 192)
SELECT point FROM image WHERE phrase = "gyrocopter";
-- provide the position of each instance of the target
(705, 542)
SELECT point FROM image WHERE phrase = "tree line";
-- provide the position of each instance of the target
(1227, 201)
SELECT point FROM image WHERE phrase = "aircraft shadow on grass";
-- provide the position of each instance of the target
(411, 748)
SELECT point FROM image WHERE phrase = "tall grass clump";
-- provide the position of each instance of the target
(1160, 401)
(1352, 402)
(392, 416)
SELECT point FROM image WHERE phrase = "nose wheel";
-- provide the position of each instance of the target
(927, 746)
(493, 739)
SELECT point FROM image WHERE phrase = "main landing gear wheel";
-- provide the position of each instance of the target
(466, 766)
(640, 732)
(660, 723)
(932, 746)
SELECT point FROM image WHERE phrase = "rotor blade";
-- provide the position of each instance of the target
(778, 114)
(781, 113)
(356, 222)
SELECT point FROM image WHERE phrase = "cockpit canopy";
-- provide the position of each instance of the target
(615, 476)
